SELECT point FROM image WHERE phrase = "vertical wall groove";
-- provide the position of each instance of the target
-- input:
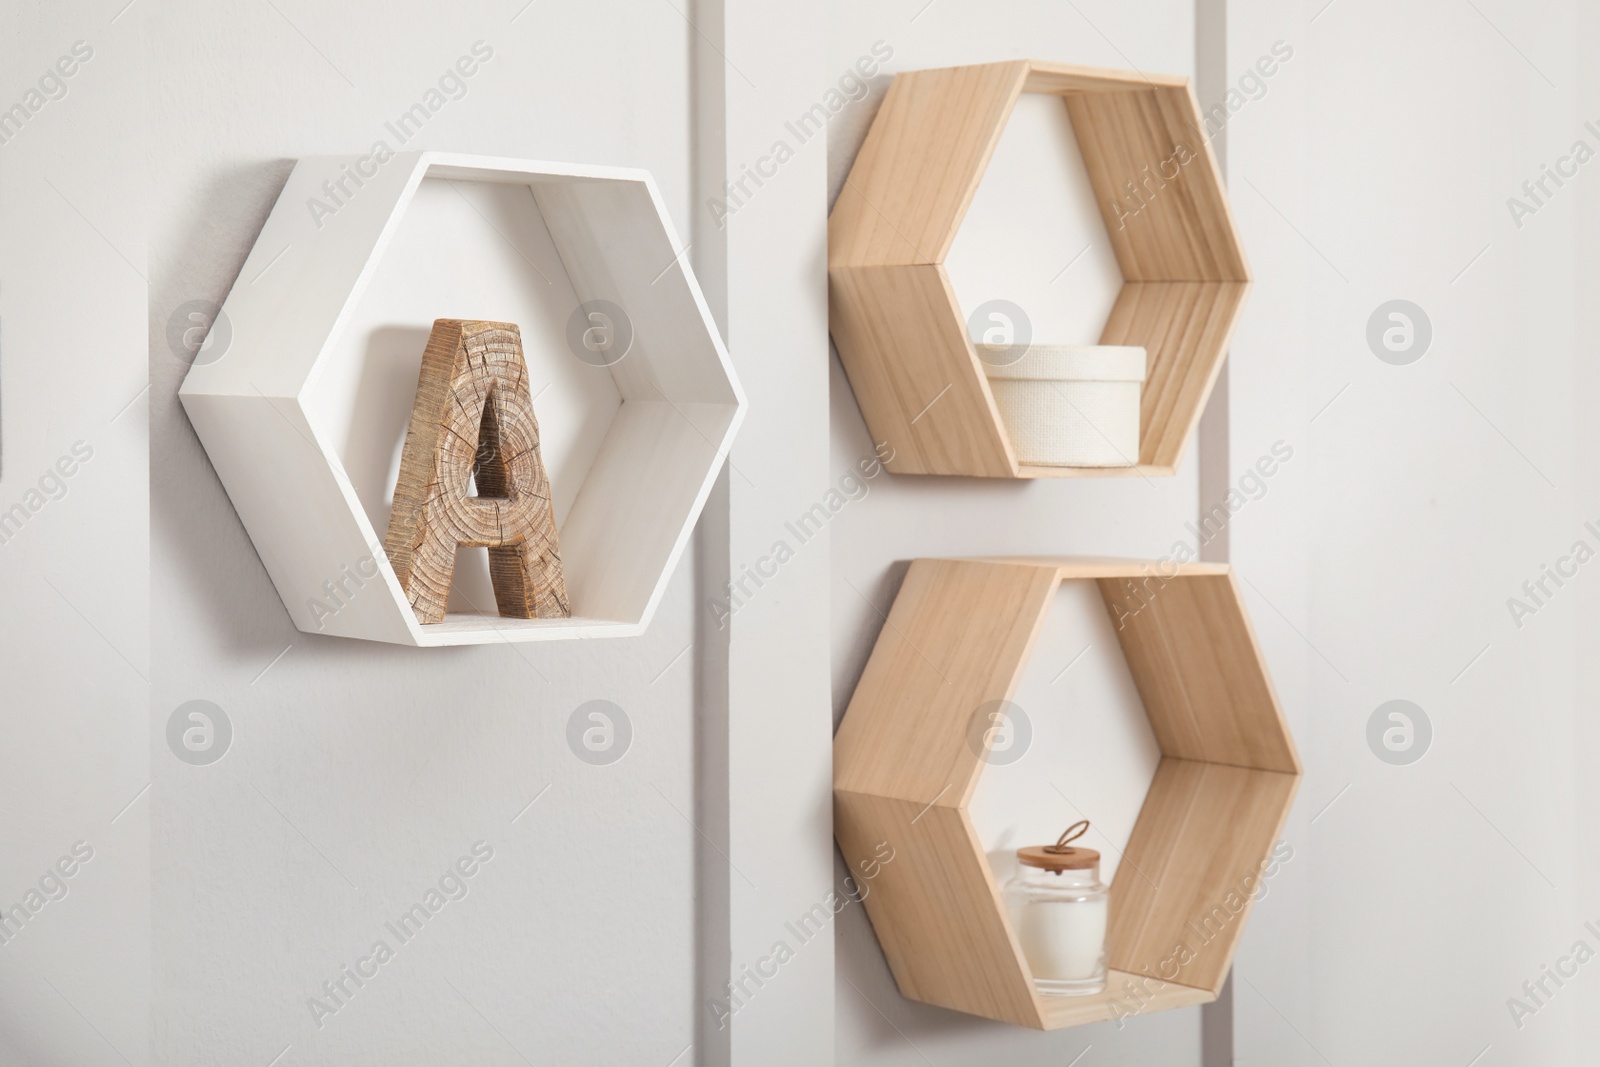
(709, 256)
(1211, 82)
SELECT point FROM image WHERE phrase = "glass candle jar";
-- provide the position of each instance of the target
(1058, 909)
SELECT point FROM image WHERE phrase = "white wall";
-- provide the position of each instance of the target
(1587, 445)
(74, 638)
(1374, 165)
(763, 252)
(1378, 167)
(359, 772)
(218, 899)
(1265, 143)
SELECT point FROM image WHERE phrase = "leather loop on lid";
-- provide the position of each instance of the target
(1061, 856)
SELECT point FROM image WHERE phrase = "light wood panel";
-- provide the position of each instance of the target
(1061, 78)
(1184, 327)
(916, 376)
(940, 126)
(905, 766)
(1193, 656)
(1174, 224)
(1184, 888)
(936, 909)
(898, 326)
(940, 881)
(931, 671)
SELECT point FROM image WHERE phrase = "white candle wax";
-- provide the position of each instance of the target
(1063, 940)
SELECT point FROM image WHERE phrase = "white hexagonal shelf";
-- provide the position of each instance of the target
(303, 391)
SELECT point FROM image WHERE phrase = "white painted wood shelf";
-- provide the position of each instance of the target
(303, 409)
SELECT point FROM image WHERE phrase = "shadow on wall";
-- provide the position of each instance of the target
(860, 644)
(848, 130)
(189, 511)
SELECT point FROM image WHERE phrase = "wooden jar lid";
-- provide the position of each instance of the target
(1068, 859)
(1061, 856)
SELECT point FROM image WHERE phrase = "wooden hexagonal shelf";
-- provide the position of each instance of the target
(905, 769)
(895, 317)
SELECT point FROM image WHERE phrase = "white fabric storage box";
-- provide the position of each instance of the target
(1069, 405)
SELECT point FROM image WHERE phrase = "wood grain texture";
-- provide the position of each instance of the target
(1183, 891)
(1185, 328)
(919, 167)
(906, 763)
(1194, 658)
(1063, 78)
(473, 416)
(1156, 182)
(899, 328)
(938, 881)
(932, 671)
(916, 375)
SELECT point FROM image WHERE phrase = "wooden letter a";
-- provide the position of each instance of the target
(473, 416)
